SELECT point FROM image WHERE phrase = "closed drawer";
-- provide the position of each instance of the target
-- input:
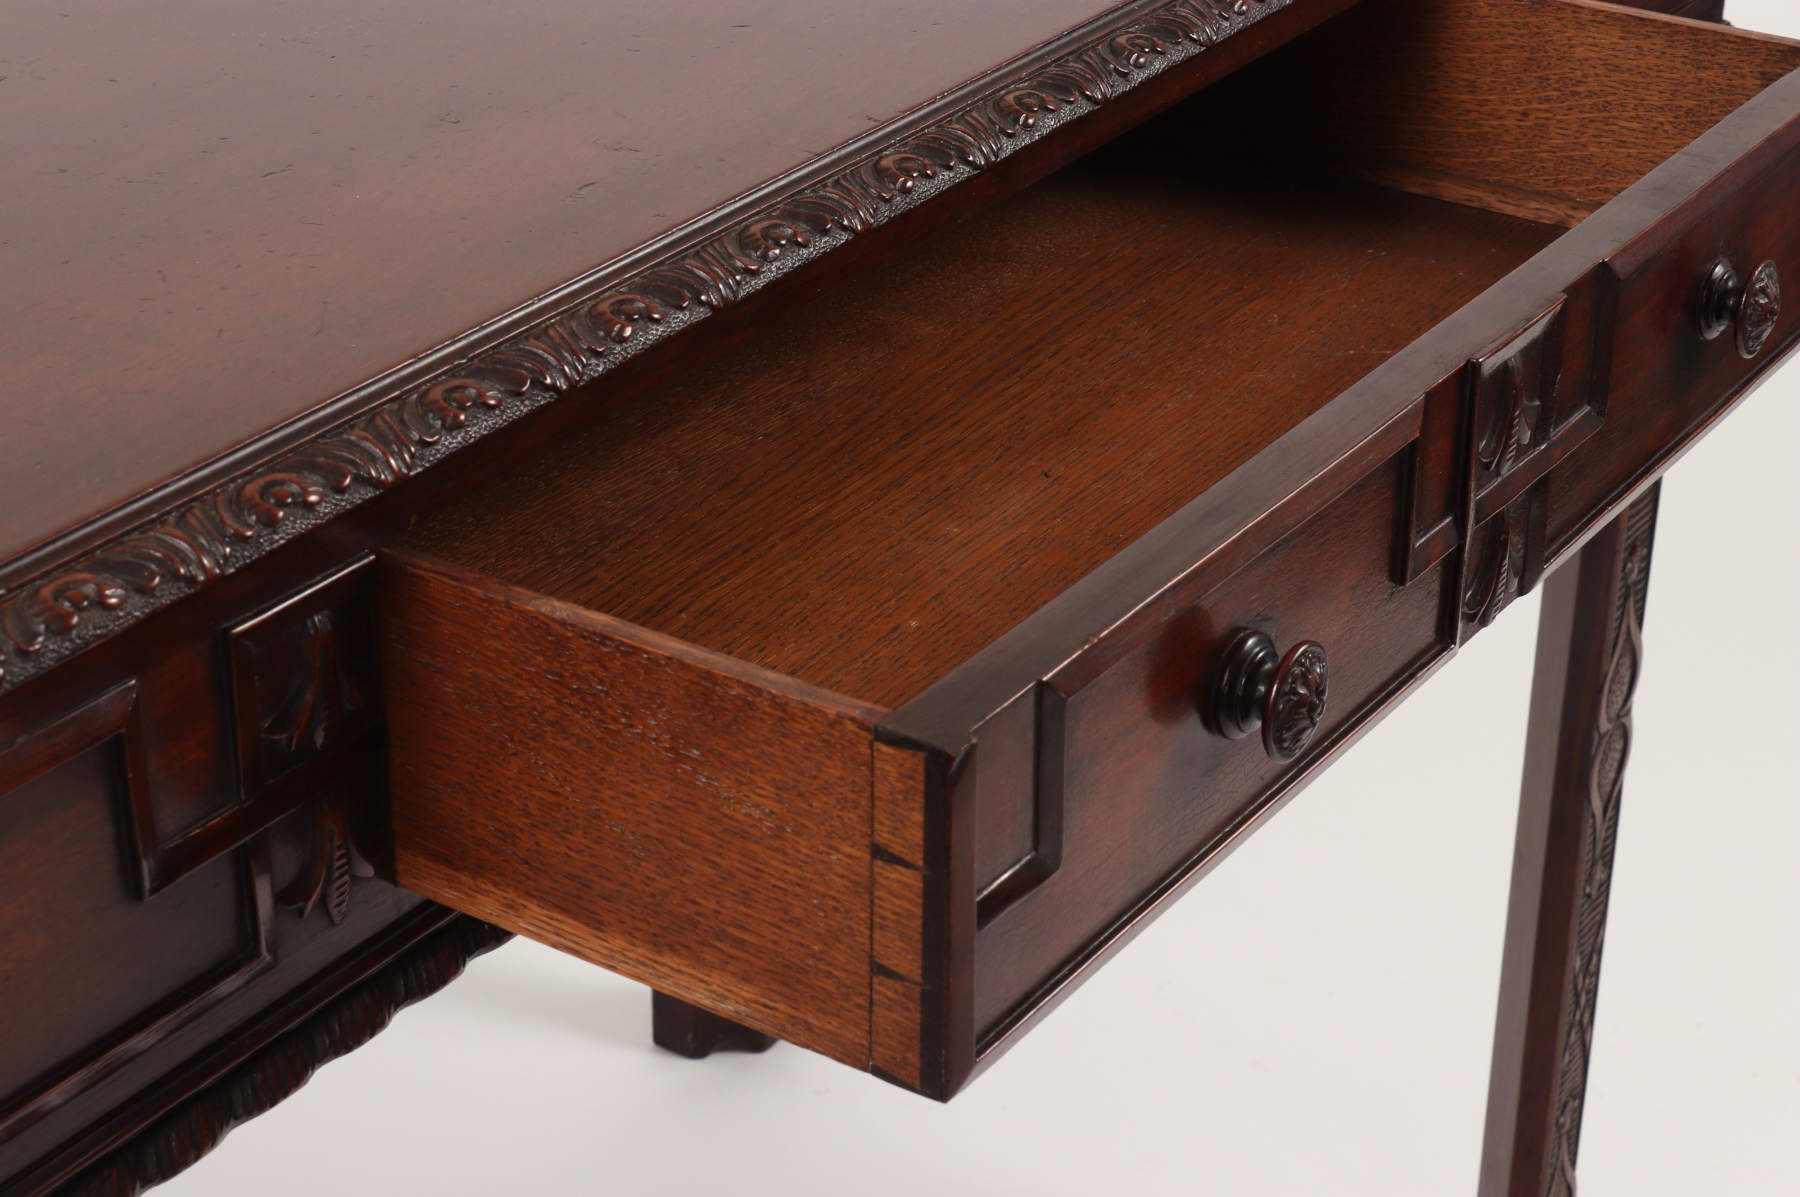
(1698, 315)
(872, 682)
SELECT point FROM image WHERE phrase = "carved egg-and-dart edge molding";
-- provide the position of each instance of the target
(54, 615)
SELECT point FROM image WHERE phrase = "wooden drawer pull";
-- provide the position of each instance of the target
(1258, 687)
(1726, 301)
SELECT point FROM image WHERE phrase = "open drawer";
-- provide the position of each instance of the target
(870, 682)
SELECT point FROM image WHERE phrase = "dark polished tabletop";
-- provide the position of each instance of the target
(219, 215)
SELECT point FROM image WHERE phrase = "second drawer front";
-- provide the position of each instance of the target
(1667, 379)
(1137, 791)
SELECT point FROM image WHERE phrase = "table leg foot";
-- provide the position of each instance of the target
(695, 1033)
(1588, 655)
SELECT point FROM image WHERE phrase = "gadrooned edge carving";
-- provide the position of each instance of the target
(177, 1140)
(1611, 748)
(56, 613)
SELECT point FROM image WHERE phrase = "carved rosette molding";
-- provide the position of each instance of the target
(55, 614)
(1606, 777)
(1297, 704)
(1762, 308)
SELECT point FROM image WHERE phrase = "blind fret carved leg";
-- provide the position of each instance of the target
(1588, 660)
(695, 1033)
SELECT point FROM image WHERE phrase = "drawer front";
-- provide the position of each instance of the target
(905, 888)
(189, 823)
(1532, 400)
(1135, 786)
(1668, 377)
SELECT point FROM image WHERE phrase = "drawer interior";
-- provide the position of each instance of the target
(672, 636)
(865, 498)
(1545, 109)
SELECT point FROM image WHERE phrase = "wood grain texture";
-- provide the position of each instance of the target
(898, 936)
(1666, 382)
(236, 500)
(867, 506)
(899, 800)
(770, 481)
(896, 1029)
(235, 222)
(682, 820)
(914, 1034)
(902, 915)
(1243, 514)
(898, 968)
(1541, 109)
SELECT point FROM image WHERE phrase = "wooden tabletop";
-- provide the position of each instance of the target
(223, 216)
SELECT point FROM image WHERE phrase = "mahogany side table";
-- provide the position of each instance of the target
(840, 516)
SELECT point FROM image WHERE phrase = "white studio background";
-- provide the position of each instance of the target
(1314, 1018)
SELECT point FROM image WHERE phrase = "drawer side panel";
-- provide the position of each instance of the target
(631, 801)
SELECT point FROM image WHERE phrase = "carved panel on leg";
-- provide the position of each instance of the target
(1588, 661)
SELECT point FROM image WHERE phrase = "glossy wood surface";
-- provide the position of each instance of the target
(85, 952)
(219, 800)
(1144, 789)
(737, 515)
(1104, 614)
(848, 206)
(1589, 661)
(865, 506)
(231, 214)
(248, 749)
(1669, 382)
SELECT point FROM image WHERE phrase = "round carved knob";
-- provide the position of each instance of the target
(1258, 687)
(1726, 301)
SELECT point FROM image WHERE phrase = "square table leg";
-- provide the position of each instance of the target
(692, 1032)
(1588, 659)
